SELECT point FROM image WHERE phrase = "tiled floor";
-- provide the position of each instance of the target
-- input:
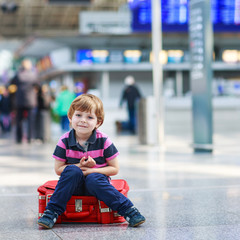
(184, 196)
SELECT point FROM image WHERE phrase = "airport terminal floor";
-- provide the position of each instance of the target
(183, 195)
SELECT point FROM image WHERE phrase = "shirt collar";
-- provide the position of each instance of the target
(72, 138)
(93, 137)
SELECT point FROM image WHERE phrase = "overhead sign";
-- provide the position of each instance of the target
(69, 1)
(105, 22)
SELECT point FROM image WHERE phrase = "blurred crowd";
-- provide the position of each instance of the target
(28, 106)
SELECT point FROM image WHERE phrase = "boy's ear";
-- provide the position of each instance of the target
(98, 124)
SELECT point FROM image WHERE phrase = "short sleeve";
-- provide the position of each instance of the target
(110, 151)
(60, 151)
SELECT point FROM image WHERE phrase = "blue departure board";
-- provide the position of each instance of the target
(225, 15)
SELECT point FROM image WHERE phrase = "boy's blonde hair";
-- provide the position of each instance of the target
(87, 103)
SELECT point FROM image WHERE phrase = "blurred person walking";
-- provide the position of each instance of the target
(5, 110)
(131, 95)
(26, 98)
(43, 116)
(62, 104)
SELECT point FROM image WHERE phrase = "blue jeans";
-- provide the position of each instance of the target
(73, 182)
(65, 123)
(132, 119)
(130, 125)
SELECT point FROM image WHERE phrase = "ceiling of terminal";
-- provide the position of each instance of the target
(37, 27)
(21, 18)
(34, 26)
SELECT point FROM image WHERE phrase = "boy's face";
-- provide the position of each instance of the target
(84, 122)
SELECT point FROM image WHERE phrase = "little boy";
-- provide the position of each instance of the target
(84, 160)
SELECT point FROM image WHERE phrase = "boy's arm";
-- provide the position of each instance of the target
(59, 166)
(110, 170)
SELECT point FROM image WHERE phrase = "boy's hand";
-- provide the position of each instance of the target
(89, 162)
(86, 170)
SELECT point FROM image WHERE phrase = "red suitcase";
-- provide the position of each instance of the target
(85, 209)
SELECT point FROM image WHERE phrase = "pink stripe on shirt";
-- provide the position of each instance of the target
(75, 154)
(107, 143)
(60, 142)
(96, 153)
(100, 165)
(101, 134)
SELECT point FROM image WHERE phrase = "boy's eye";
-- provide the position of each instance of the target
(90, 117)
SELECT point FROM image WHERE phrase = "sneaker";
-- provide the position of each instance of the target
(134, 217)
(48, 219)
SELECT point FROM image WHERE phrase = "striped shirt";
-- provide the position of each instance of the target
(99, 147)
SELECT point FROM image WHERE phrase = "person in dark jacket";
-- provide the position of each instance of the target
(26, 98)
(131, 95)
(5, 111)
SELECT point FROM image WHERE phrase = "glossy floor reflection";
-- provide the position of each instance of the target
(184, 196)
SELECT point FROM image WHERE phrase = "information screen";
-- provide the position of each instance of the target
(69, 1)
(226, 15)
(175, 14)
(84, 56)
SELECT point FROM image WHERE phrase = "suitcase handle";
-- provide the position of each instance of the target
(79, 214)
